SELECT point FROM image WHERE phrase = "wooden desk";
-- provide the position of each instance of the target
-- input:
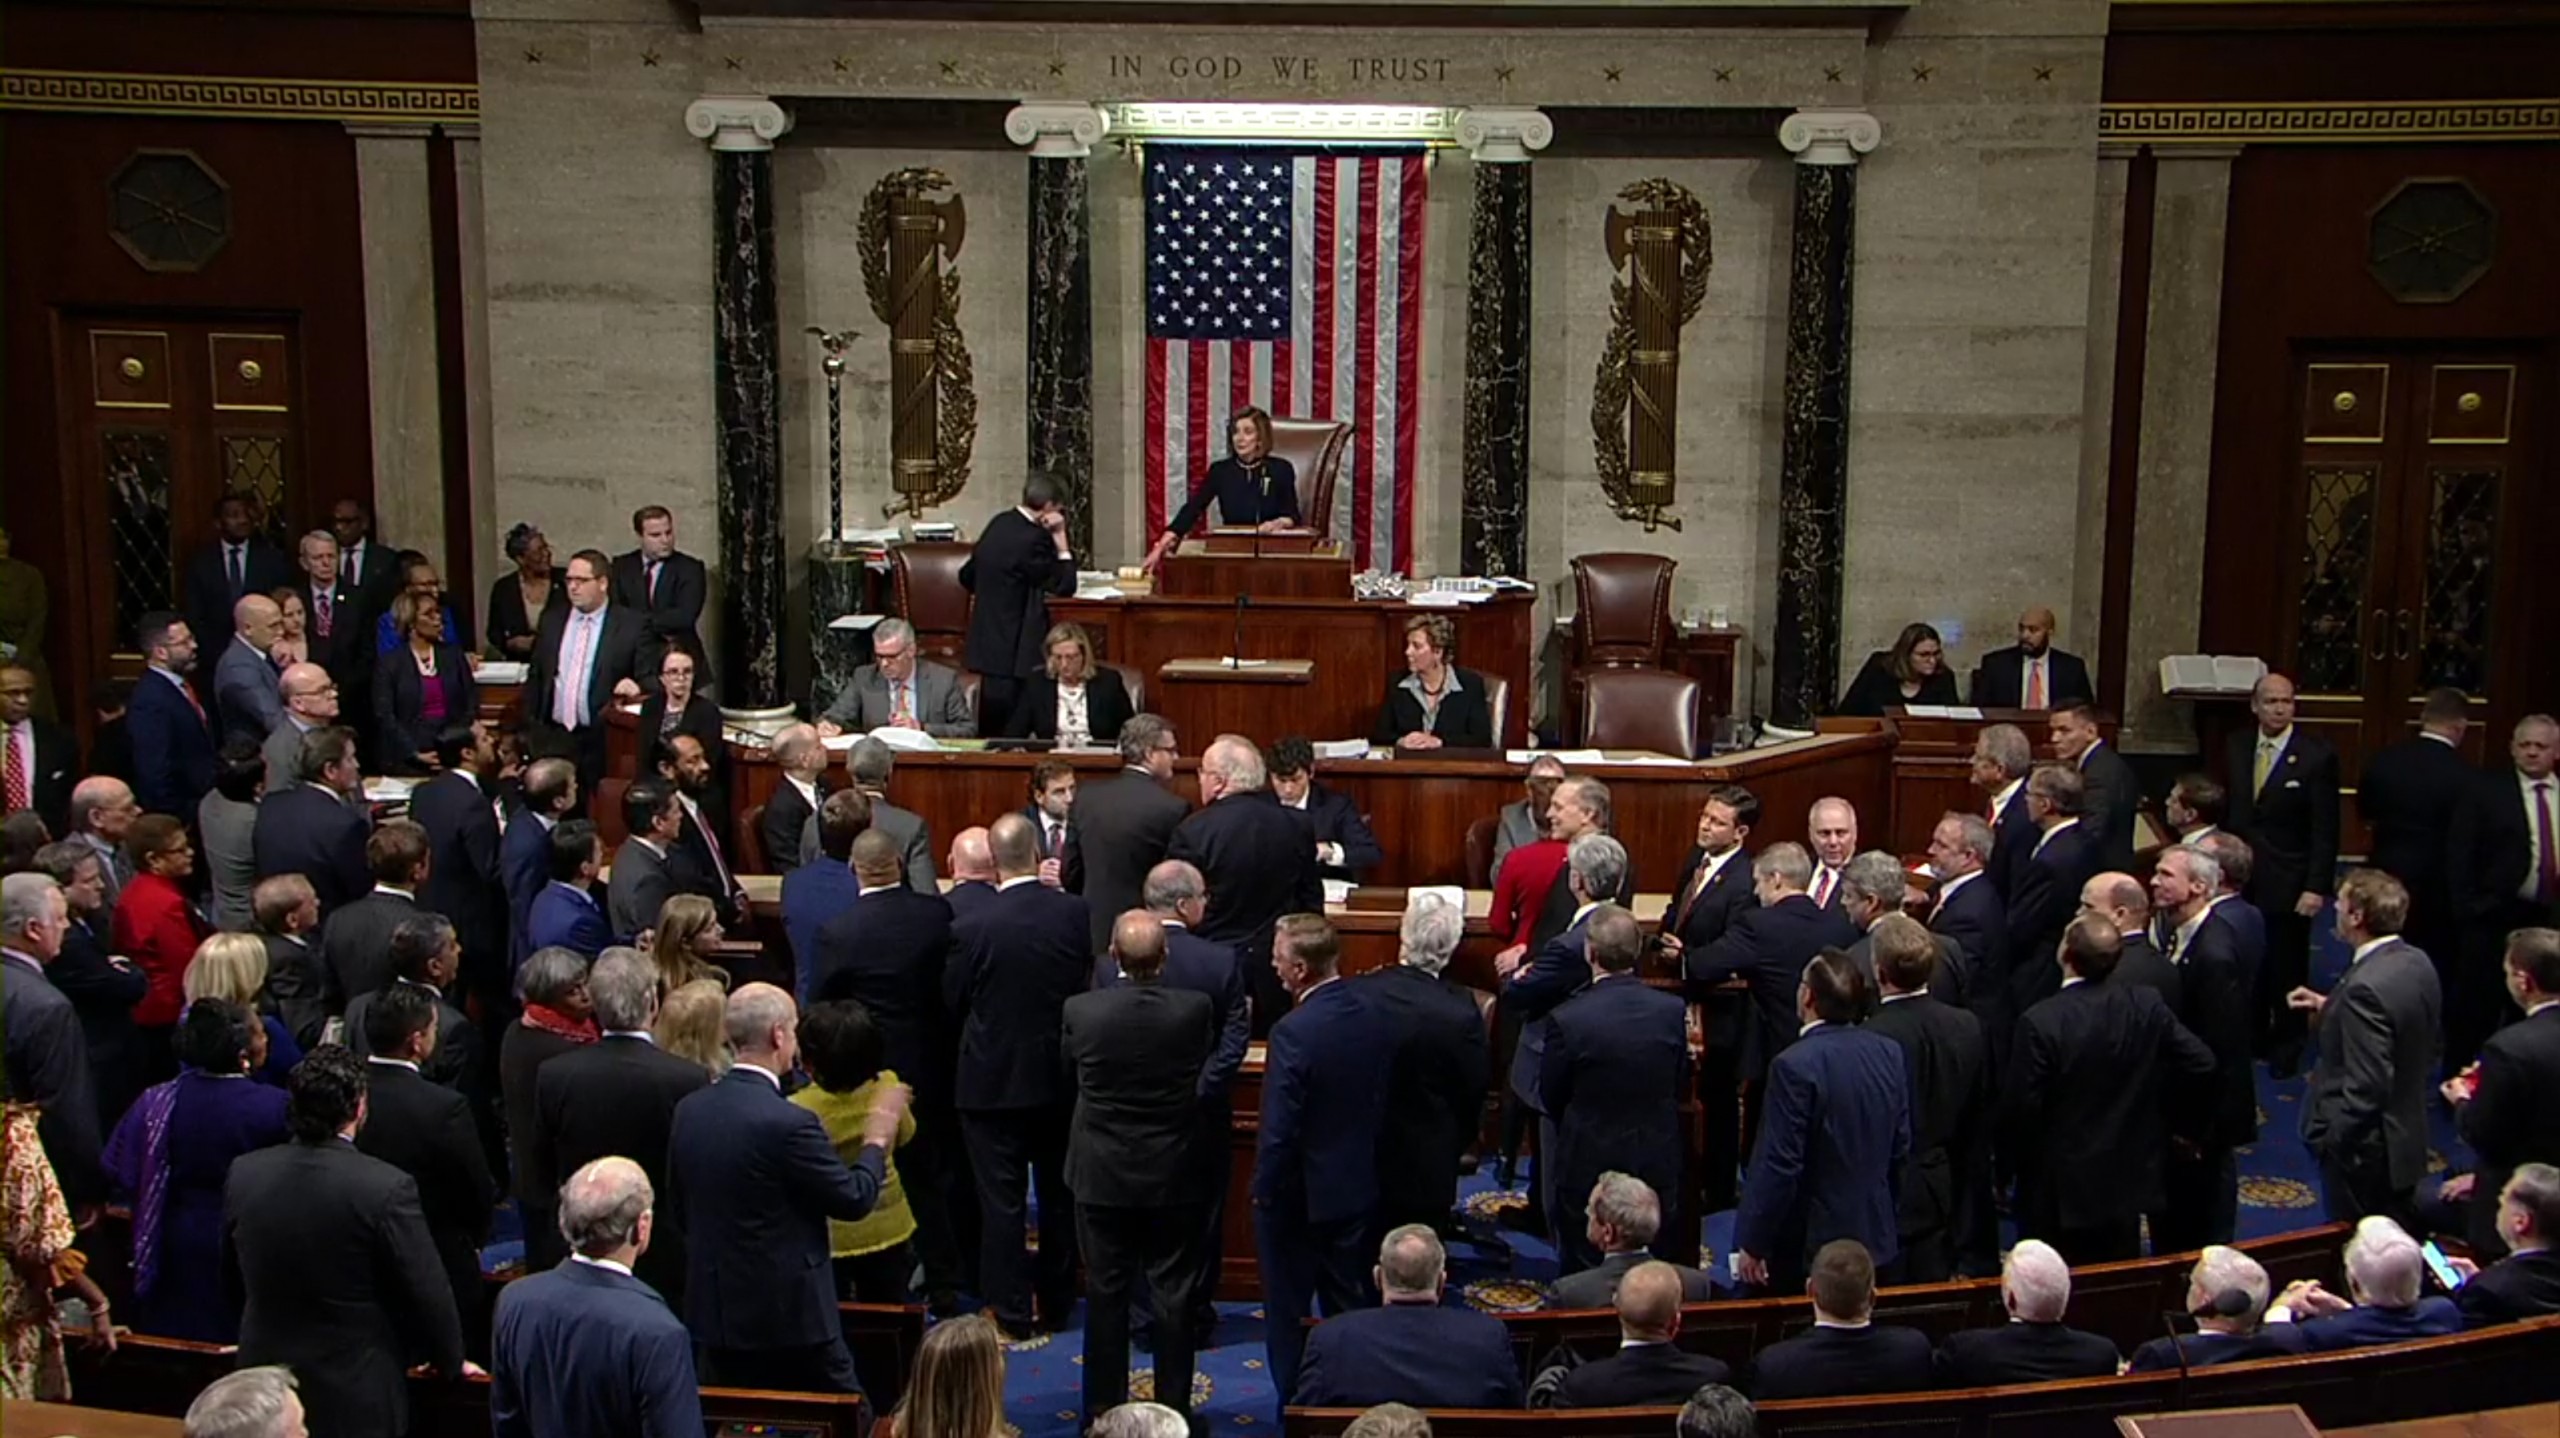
(1933, 768)
(2539, 1420)
(23, 1418)
(1358, 646)
(1205, 698)
(1222, 568)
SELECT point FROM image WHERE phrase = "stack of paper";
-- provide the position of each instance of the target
(501, 671)
(2211, 673)
(1342, 749)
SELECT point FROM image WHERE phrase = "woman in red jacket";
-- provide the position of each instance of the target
(158, 929)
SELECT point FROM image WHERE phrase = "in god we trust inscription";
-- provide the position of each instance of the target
(1282, 69)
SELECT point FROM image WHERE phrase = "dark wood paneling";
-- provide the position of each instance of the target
(424, 40)
(2331, 52)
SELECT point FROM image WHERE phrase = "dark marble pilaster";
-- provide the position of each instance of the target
(1495, 526)
(839, 584)
(1813, 478)
(1061, 324)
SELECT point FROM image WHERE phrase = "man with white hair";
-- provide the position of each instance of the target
(2002, 757)
(47, 1051)
(1409, 1349)
(2034, 1346)
(1258, 859)
(2227, 1297)
(2387, 1302)
(1832, 825)
(252, 1403)
(585, 1350)
(2200, 1178)
(1140, 1420)
(1442, 1062)
(897, 691)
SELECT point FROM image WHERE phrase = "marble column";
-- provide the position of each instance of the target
(1813, 478)
(1060, 414)
(400, 337)
(487, 558)
(1494, 530)
(747, 379)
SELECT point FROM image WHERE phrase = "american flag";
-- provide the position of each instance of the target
(1291, 280)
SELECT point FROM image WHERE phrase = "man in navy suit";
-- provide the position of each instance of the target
(802, 757)
(1022, 557)
(2227, 1294)
(2387, 1300)
(1649, 1368)
(1015, 962)
(1258, 858)
(586, 1350)
(2525, 1283)
(1947, 1178)
(2034, 1346)
(2047, 896)
(310, 830)
(753, 1179)
(2209, 1117)
(1315, 1171)
(1344, 845)
(172, 740)
(664, 586)
(459, 810)
(1125, 823)
(524, 854)
(2284, 801)
(1714, 888)
(2510, 1112)
(1767, 948)
(1831, 828)
(1052, 816)
(973, 871)
(1616, 1061)
(2031, 674)
(2231, 904)
(566, 914)
(1969, 910)
(2002, 757)
(1443, 1062)
(2113, 792)
(1554, 972)
(1834, 1135)
(1847, 1353)
(1412, 1349)
(815, 894)
(239, 561)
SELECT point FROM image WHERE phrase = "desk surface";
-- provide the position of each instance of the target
(2538, 1420)
(24, 1419)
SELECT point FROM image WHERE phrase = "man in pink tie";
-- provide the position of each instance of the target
(2032, 674)
(587, 659)
(665, 587)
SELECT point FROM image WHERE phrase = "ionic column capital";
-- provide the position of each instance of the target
(1504, 134)
(1829, 137)
(1056, 129)
(737, 123)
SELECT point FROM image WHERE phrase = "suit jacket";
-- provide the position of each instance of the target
(245, 692)
(2409, 794)
(2513, 1118)
(1316, 1153)
(906, 826)
(890, 950)
(506, 616)
(1875, 690)
(1136, 1052)
(282, 750)
(2114, 797)
(2363, 1326)
(210, 594)
(1616, 1066)
(2519, 1286)
(425, 1130)
(1835, 1133)
(568, 917)
(812, 895)
(2291, 824)
(753, 1179)
(173, 747)
(1555, 972)
(1335, 819)
(941, 704)
(1598, 1287)
(2491, 858)
(1769, 946)
(309, 830)
(1243, 498)
(1194, 963)
(355, 942)
(524, 869)
(1016, 961)
(1435, 1092)
(332, 1249)
(401, 729)
(1843, 1363)
(2366, 1105)
(674, 613)
(229, 829)
(778, 831)
(641, 881)
(1260, 861)
(302, 987)
(1700, 920)
(1106, 707)
(522, 1052)
(701, 869)
(1947, 1064)
(371, 574)
(103, 995)
(1557, 909)
(1463, 721)
(1010, 573)
(2045, 902)
(2141, 963)
(2215, 999)
(582, 1351)
(57, 769)
(1063, 847)
(48, 1065)
(1124, 824)
(620, 651)
(2083, 1107)
(616, 1096)
(347, 650)
(1947, 980)
(1516, 826)
(1650, 1375)
(456, 1061)
(2013, 839)
(2017, 1352)
(1422, 1354)
(2204, 1350)
(1978, 921)
(2000, 680)
(462, 882)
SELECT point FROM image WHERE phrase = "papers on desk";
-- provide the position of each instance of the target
(1650, 761)
(856, 623)
(1101, 591)
(1342, 749)
(1229, 661)
(502, 671)
(911, 741)
(883, 537)
(1337, 891)
(1443, 599)
(1452, 894)
(383, 789)
(1941, 711)
(1561, 756)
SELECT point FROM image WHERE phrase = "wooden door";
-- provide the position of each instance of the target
(161, 419)
(2405, 580)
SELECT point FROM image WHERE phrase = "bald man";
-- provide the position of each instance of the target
(245, 691)
(308, 698)
(2032, 674)
(1650, 1369)
(2284, 803)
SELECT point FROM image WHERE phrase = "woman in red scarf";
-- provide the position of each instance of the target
(158, 929)
(558, 1016)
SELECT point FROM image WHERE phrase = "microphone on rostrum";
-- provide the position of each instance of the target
(1235, 656)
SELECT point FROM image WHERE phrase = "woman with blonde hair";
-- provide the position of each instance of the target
(687, 934)
(693, 1024)
(1075, 701)
(233, 967)
(958, 1387)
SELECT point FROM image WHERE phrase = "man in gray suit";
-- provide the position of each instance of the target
(869, 765)
(1124, 824)
(1871, 889)
(1623, 1217)
(644, 868)
(48, 1055)
(310, 699)
(1524, 820)
(244, 678)
(2365, 1113)
(896, 691)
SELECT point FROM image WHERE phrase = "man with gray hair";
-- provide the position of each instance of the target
(2034, 1346)
(1524, 820)
(2046, 894)
(1140, 1420)
(47, 1051)
(1125, 823)
(1872, 886)
(252, 1403)
(2002, 757)
(869, 764)
(309, 700)
(2227, 1294)
(1548, 973)
(1615, 1065)
(1767, 948)
(2211, 996)
(1624, 1218)
(1970, 910)
(1258, 859)
(1442, 1064)
(896, 690)
(102, 810)
(1718, 1410)
(1409, 1349)
(586, 1350)
(2387, 1300)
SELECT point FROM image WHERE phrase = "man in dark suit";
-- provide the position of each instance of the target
(567, 914)
(1315, 1172)
(1015, 962)
(459, 810)
(973, 870)
(2284, 802)
(2112, 795)
(1649, 1369)
(42, 757)
(589, 657)
(1344, 845)
(1616, 1061)
(1124, 824)
(2227, 1295)
(339, 617)
(366, 565)
(869, 764)
(2408, 795)
(247, 701)
(2386, 1300)
(102, 988)
(1872, 888)
(2210, 1117)
(2505, 859)
(2509, 1110)
(237, 562)
(753, 1179)
(2364, 1112)
(1768, 948)
(355, 937)
(586, 1349)
(1834, 1136)
(1947, 1067)
(331, 1249)
(424, 955)
(1410, 1349)
(2122, 900)
(1052, 816)
(1579, 806)
(524, 854)
(173, 755)
(1259, 861)
(2031, 674)
(802, 757)
(1554, 971)
(310, 829)
(648, 867)
(1137, 1051)
(2034, 1346)
(1714, 887)
(1846, 1353)
(2002, 758)
(1831, 833)
(816, 893)
(1624, 1217)
(702, 844)
(48, 1055)
(2084, 1102)
(617, 1096)
(1524, 820)
(1969, 911)
(2047, 896)
(425, 1130)
(2526, 1283)
(1442, 1063)
(665, 587)
(300, 986)
(1022, 557)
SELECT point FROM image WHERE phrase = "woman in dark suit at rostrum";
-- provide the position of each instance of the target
(1253, 488)
(1436, 705)
(1914, 671)
(1076, 702)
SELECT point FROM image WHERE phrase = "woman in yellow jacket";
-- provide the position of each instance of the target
(874, 1254)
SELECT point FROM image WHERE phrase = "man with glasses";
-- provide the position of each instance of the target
(310, 701)
(894, 691)
(587, 660)
(366, 567)
(1124, 823)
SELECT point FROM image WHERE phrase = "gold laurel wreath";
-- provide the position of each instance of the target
(1612, 388)
(955, 376)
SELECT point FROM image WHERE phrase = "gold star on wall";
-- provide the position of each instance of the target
(1922, 71)
(1831, 73)
(1611, 73)
(1724, 74)
(649, 59)
(533, 57)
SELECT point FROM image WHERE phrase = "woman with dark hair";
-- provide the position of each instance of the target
(228, 819)
(1914, 671)
(21, 835)
(519, 602)
(418, 580)
(1253, 488)
(1075, 701)
(157, 928)
(169, 1158)
(841, 1045)
(1436, 704)
(681, 708)
(420, 687)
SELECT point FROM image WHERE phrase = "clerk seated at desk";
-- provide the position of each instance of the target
(1072, 700)
(1436, 705)
(1253, 487)
(1913, 671)
(1344, 845)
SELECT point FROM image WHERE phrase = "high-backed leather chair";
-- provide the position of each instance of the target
(1480, 851)
(1621, 617)
(1497, 702)
(750, 844)
(931, 597)
(1640, 709)
(1134, 680)
(606, 809)
(1314, 448)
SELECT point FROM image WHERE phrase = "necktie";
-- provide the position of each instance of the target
(569, 697)
(2035, 684)
(1991, 812)
(1822, 885)
(1055, 831)
(192, 701)
(902, 710)
(2266, 761)
(351, 564)
(719, 861)
(324, 604)
(231, 569)
(14, 780)
(653, 580)
(2547, 883)
(1689, 900)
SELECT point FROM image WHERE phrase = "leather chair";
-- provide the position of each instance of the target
(1480, 851)
(1133, 679)
(606, 809)
(1314, 448)
(1652, 709)
(1621, 617)
(751, 855)
(1497, 702)
(931, 597)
